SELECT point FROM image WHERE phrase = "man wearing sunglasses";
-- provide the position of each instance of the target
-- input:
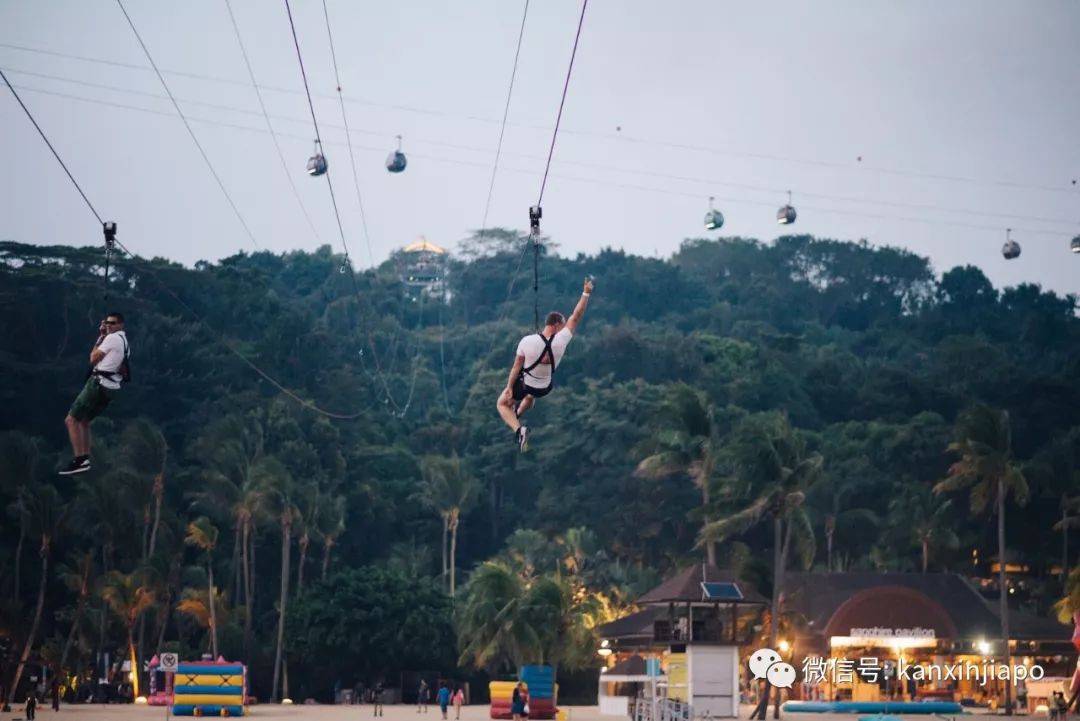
(109, 368)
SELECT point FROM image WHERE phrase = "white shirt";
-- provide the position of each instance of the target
(531, 346)
(113, 348)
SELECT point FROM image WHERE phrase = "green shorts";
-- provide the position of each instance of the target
(91, 401)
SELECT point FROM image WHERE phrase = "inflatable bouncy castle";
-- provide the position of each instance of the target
(210, 688)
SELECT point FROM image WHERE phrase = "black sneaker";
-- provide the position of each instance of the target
(80, 464)
(523, 438)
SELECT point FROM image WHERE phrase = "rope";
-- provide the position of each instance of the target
(269, 125)
(536, 279)
(562, 102)
(187, 125)
(55, 154)
(348, 137)
(506, 113)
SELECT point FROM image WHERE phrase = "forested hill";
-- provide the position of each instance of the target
(868, 354)
(861, 347)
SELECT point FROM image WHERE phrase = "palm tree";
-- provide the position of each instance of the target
(46, 514)
(235, 484)
(688, 441)
(506, 619)
(1068, 611)
(18, 468)
(331, 524)
(450, 489)
(1056, 471)
(986, 467)
(128, 597)
(773, 474)
(197, 604)
(927, 518)
(203, 534)
(276, 478)
(308, 502)
(77, 578)
(143, 453)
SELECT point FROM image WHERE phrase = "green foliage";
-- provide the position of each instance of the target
(813, 380)
(369, 623)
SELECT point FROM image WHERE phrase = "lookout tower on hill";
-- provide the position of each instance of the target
(422, 268)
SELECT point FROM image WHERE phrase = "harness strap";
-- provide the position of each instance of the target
(115, 376)
(548, 352)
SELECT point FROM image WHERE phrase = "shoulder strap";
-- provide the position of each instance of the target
(547, 351)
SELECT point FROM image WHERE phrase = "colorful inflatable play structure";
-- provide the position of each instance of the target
(539, 685)
(540, 681)
(210, 688)
(161, 685)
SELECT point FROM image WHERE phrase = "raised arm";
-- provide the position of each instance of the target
(579, 309)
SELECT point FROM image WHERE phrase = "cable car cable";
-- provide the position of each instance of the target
(337, 214)
(474, 149)
(269, 125)
(607, 136)
(348, 137)
(630, 186)
(187, 125)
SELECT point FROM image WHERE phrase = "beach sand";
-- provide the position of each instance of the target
(129, 712)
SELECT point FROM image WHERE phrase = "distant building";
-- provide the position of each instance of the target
(422, 268)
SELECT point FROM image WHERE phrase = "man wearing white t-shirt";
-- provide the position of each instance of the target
(108, 361)
(533, 372)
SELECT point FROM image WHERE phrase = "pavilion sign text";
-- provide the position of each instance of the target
(882, 632)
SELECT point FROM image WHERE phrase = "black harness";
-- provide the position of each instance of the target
(121, 374)
(548, 352)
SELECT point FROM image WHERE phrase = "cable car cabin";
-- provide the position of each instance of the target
(714, 220)
(316, 165)
(786, 215)
(1010, 250)
(1075, 245)
(396, 162)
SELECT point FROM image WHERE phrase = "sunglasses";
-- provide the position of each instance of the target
(112, 322)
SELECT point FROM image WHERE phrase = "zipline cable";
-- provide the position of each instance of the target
(270, 379)
(536, 212)
(348, 136)
(269, 125)
(506, 114)
(562, 103)
(51, 148)
(187, 125)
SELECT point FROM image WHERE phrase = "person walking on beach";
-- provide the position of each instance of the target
(31, 705)
(458, 700)
(422, 696)
(444, 698)
(376, 699)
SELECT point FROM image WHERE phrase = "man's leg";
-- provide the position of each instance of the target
(85, 427)
(526, 404)
(506, 410)
(74, 434)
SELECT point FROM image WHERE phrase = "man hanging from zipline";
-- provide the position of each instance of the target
(533, 373)
(109, 368)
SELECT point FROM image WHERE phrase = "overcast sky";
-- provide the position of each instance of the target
(964, 113)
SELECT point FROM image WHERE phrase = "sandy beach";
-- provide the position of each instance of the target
(127, 712)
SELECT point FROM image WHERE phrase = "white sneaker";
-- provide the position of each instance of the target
(523, 438)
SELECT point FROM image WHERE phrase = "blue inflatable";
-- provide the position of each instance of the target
(874, 707)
